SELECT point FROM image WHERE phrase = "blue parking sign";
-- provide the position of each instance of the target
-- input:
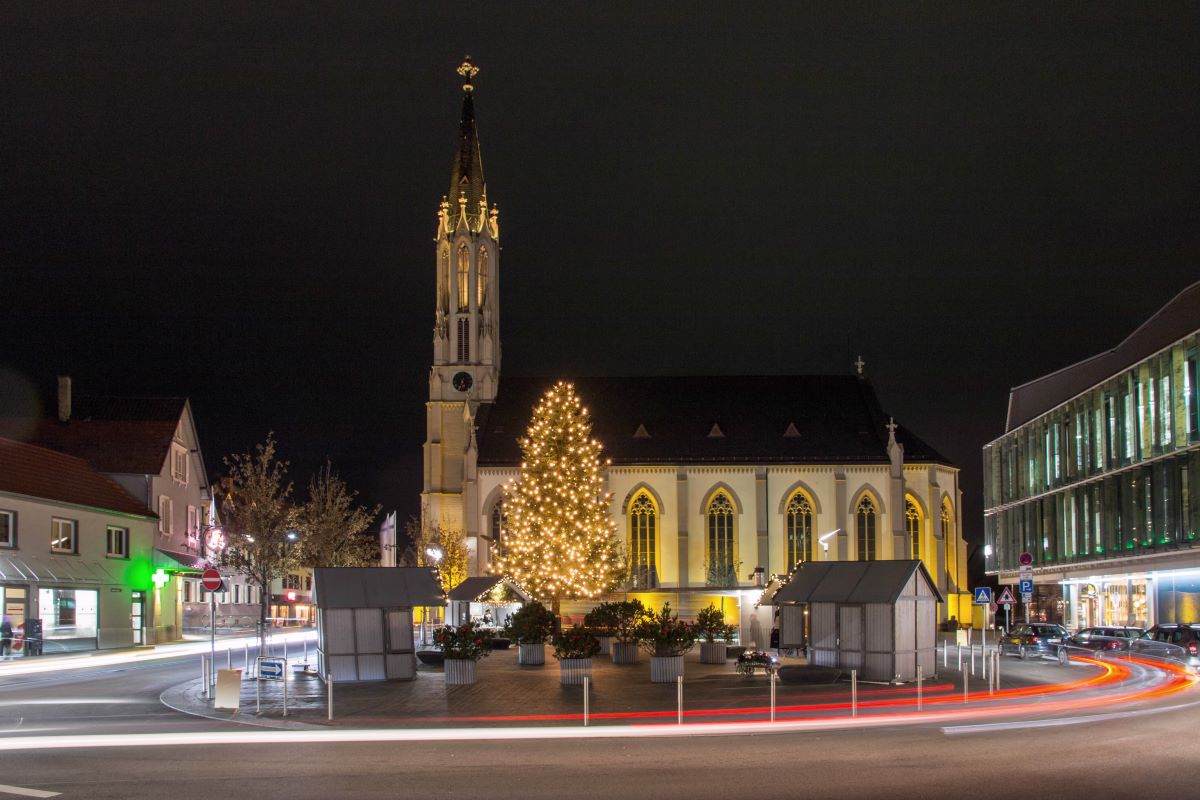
(1027, 586)
(983, 595)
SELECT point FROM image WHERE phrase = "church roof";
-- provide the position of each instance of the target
(466, 173)
(763, 419)
(1168, 325)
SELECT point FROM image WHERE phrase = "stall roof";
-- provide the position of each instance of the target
(376, 587)
(852, 582)
(472, 589)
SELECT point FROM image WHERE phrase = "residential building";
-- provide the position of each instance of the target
(150, 446)
(77, 553)
(1097, 478)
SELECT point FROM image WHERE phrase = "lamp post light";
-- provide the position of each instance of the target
(824, 540)
(436, 554)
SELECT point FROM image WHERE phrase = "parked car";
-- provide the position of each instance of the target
(1097, 642)
(1172, 641)
(1032, 639)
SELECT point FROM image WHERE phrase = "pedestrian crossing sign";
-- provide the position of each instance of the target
(1006, 597)
(983, 595)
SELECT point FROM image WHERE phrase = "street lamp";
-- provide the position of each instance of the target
(824, 540)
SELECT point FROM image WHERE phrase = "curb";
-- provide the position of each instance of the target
(188, 698)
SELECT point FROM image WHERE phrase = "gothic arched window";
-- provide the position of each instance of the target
(483, 275)
(864, 516)
(799, 529)
(497, 528)
(643, 542)
(912, 525)
(464, 273)
(722, 567)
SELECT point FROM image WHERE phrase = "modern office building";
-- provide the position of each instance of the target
(1097, 476)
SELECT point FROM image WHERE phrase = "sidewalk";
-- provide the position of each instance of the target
(189, 645)
(507, 694)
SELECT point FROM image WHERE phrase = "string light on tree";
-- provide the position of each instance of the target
(560, 541)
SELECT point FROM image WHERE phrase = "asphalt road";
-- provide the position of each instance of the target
(1142, 751)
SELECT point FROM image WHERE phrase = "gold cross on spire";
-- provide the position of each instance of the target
(468, 71)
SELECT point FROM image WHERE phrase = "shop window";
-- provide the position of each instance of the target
(63, 536)
(187, 591)
(8, 529)
(237, 593)
(118, 542)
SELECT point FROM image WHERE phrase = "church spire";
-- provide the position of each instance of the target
(466, 174)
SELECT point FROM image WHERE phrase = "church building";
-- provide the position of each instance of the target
(718, 482)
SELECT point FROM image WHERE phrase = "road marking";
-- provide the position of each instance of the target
(992, 727)
(23, 792)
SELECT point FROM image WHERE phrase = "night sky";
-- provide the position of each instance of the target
(239, 205)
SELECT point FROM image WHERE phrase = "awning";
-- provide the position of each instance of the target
(475, 590)
(179, 562)
(52, 569)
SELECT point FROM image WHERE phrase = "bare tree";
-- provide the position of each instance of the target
(332, 527)
(257, 514)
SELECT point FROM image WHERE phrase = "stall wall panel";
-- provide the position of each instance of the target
(401, 667)
(850, 634)
(791, 626)
(822, 619)
(400, 631)
(370, 667)
(343, 668)
(906, 625)
(876, 667)
(368, 628)
(337, 628)
(879, 627)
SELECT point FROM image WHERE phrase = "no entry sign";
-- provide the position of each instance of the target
(211, 580)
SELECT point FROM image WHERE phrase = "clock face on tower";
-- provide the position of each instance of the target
(462, 381)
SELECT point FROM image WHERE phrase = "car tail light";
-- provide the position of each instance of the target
(1114, 645)
(1193, 649)
(1033, 640)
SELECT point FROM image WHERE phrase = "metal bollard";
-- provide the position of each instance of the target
(996, 669)
(586, 687)
(960, 658)
(965, 696)
(854, 693)
(306, 653)
(204, 675)
(679, 696)
(228, 658)
(773, 676)
(285, 683)
(983, 662)
(285, 649)
(246, 659)
(329, 693)
(972, 661)
(920, 683)
(945, 654)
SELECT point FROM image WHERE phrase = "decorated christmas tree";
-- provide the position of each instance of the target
(560, 542)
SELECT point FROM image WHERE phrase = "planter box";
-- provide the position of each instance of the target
(665, 669)
(460, 671)
(712, 652)
(531, 655)
(572, 671)
(605, 645)
(625, 653)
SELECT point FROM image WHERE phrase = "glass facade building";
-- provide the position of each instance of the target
(1098, 478)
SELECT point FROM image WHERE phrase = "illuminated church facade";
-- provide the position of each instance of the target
(718, 482)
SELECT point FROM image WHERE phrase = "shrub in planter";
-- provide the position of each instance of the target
(711, 626)
(602, 622)
(531, 626)
(623, 622)
(462, 647)
(574, 650)
(665, 635)
(666, 638)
